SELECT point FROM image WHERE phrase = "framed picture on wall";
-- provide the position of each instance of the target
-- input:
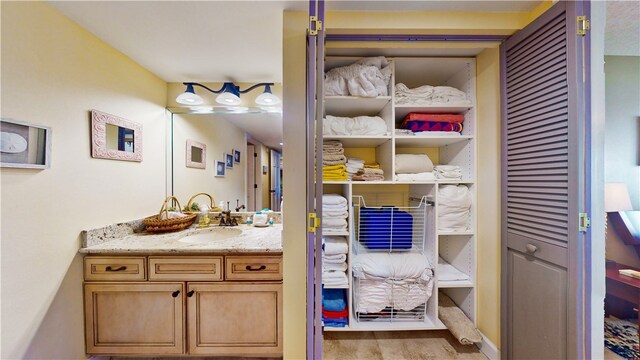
(229, 160)
(264, 169)
(236, 156)
(220, 168)
(24, 145)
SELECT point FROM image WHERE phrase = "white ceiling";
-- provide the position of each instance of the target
(241, 41)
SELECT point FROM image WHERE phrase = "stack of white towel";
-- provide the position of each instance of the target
(368, 77)
(414, 167)
(359, 125)
(427, 95)
(334, 261)
(448, 172)
(403, 281)
(454, 209)
(353, 166)
(335, 211)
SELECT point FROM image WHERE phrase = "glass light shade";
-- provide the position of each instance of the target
(189, 98)
(227, 98)
(267, 98)
(616, 197)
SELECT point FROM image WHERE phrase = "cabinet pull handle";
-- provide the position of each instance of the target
(531, 248)
(175, 293)
(121, 268)
(190, 293)
(250, 268)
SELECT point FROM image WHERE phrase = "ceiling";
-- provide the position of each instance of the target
(241, 41)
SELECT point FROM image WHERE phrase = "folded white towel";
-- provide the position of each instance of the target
(326, 266)
(359, 125)
(448, 172)
(342, 214)
(335, 208)
(413, 163)
(333, 199)
(334, 245)
(425, 176)
(392, 266)
(171, 215)
(447, 272)
(373, 296)
(454, 207)
(335, 278)
(334, 259)
(334, 223)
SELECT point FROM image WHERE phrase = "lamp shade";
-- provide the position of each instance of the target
(189, 97)
(616, 197)
(267, 98)
(227, 98)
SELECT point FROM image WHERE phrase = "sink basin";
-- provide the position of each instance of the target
(216, 234)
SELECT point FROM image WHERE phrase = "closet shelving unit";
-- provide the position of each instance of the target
(457, 248)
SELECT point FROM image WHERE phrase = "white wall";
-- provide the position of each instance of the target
(220, 137)
(53, 74)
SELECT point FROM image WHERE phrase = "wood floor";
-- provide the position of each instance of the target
(397, 345)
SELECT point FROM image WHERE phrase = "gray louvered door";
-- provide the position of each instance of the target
(543, 181)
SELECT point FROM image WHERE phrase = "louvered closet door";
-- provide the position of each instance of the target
(542, 180)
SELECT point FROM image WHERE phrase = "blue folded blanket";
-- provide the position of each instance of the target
(336, 322)
(334, 299)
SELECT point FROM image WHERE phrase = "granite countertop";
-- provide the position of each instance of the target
(123, 239)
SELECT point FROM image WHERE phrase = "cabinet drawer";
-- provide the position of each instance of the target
(253, 268)
(114, 268)
(193, 268)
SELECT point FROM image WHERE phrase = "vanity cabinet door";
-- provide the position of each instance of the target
(134, 318)
(235, 319)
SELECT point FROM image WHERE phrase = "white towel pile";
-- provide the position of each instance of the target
(400, 280)
(359, 125)
(333, 153)
(335, 211)
(414, 167)
(447, 272)
(427, 95)
(334, 261)
(448, 172)
(353, 166)
(454, 208)
(368, 77)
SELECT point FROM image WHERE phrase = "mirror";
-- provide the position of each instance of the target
(196, 154)
(115, 138)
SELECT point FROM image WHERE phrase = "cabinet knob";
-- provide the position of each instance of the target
(120, 268)
(190, 293)
(251, 268)
(175, 293)
(531, 248)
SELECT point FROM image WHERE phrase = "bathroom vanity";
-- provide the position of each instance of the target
(200, 292)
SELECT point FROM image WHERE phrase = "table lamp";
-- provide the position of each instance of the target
(616, 197)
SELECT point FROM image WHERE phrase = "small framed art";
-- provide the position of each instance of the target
(24, 145)
(229, 160)
(236, 156)
(220, 168)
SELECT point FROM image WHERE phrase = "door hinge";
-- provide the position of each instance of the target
(255, 186)
(583, 25)
(584, 222)
(315, 25)
(314, 222)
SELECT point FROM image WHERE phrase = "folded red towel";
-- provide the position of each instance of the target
(448, 118)
(335, 314)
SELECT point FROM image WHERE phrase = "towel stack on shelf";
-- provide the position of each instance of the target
(335, 211)
(359, 125)
(454, 210)
(333, 161)
(334, 261)
(353, 166)
(419, 122)
(448, 172)
(370, 172)
(429, 95)
(367, 77)
(414, 167)
(334, 308)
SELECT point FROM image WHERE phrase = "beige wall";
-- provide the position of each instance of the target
(53, 74)
(220, 137)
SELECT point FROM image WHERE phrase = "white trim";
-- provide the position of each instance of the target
(488, 348)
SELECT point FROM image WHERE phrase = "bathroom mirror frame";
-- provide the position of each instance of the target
(99, 149)
(190, 162)
(40, 157)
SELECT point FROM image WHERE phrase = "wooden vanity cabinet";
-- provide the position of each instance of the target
(188, 305)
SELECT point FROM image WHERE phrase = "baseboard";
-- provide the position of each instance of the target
(488, 348)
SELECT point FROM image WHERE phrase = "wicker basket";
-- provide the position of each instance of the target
(155, 223)
(212, 207)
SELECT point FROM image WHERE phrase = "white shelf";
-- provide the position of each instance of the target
(386, 325)
(334, 287)
(359, 182)
(354, 105)
(455, 182)
(403, 110)
(429, 141)
(454, 233)
(331, 328)
(359, 141)
(455, 284)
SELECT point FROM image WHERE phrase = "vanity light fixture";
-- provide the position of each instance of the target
(229, 94)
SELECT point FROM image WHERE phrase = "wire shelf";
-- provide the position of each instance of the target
(391, 228)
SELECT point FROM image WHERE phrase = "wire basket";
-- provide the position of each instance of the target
(390, 300)
(156, 223)
(390, 228)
